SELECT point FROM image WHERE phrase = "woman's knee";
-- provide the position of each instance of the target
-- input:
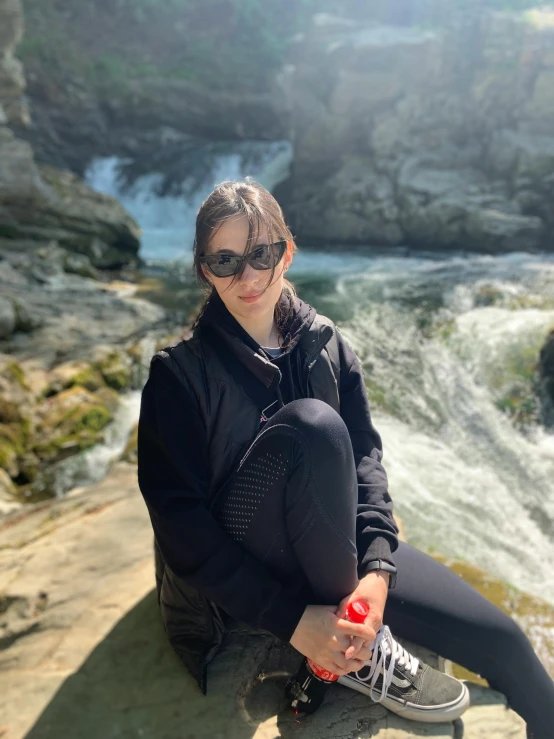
(318, 422)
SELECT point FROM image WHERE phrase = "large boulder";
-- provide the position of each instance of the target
(69, 212)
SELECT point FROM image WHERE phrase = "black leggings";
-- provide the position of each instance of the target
(292, 503)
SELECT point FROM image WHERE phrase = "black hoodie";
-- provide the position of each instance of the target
(173, 462)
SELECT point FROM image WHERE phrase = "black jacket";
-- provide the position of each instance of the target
(196, 421)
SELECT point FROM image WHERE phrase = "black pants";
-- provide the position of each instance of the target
(292, 503)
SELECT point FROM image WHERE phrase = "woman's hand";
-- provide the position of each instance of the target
(324, 637)
(374, 589)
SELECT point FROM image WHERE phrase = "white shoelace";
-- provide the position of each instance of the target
(383, 646)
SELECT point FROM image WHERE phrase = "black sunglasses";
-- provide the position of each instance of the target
(262, 256)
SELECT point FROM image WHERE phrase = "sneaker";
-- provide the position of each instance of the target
(405, 685)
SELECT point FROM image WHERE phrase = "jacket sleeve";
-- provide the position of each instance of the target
(376, 530)
(173, 474)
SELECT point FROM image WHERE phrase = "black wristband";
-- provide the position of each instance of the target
(380, 564)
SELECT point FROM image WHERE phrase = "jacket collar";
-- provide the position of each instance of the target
(305, 332)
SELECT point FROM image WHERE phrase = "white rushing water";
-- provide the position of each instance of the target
(444, 340)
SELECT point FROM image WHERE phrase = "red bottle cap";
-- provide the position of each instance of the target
(357, 611)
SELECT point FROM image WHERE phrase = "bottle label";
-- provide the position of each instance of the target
(322, 673)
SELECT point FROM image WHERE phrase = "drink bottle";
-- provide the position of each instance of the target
(307, 688)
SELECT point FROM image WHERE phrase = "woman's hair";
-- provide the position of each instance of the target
(241, 198)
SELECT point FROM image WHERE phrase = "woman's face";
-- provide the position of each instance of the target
(232, 237)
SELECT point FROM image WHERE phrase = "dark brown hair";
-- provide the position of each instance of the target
(235, 198)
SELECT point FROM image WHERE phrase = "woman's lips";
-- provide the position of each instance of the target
(252, 298)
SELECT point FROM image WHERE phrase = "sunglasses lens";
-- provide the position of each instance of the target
(223, 265)
(263, 256)
(267, 256)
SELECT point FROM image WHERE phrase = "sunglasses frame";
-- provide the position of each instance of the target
(282, 243)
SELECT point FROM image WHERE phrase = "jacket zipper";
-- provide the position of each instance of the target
(316, 354)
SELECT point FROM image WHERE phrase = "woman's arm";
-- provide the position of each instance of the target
(376, 530)
(173, 473)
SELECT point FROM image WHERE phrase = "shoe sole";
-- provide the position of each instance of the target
(411, 711)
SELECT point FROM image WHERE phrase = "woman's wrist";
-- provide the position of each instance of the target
(377, 574)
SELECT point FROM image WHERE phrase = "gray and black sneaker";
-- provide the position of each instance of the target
(405, 685)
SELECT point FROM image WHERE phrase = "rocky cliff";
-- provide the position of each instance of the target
(42, 204)
(433, 138)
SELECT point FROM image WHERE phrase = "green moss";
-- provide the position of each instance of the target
(72, 422)
(89, 378)
(91, 419)
(13, 372)
(114, 370)
(8, 456)
(117, 378)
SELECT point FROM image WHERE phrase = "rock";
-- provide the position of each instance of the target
(546, 380)
(130, 453)
(42, 203)
(115, 366)
(74, 601)
(398, 139)
(70, 422)
(7, 318)
(79, 219)
(68, 374)
(8, 500)
(20, 180)
(12, 81)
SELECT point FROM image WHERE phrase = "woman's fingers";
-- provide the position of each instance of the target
(354, 647)
(364, 631)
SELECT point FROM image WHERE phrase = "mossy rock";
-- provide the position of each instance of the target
(71, 422)
(70, 374)
(130, 453)
(116, 369)
(13, 372)
(488, 295)
(9, 457)
(108, 398)
(29, 467)
(88, 378)
(9, 411)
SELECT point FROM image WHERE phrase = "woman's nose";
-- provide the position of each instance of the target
(250, 274)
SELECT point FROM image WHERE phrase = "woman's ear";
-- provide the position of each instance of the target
(288, 253)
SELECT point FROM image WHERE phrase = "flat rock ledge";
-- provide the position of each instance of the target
(83, 653)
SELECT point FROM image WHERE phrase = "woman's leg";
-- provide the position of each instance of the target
(292, 500)
(434, 607)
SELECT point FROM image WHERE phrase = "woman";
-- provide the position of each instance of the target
(262, 473)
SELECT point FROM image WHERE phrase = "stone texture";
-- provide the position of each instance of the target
(83, 653)
(44, 203)
(12, 80)
(402, 136)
